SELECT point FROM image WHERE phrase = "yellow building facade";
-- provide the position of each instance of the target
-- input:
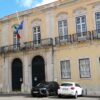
(59, 42)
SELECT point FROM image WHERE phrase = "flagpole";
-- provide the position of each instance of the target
(20, 25)
(17, 16)
(18, 36)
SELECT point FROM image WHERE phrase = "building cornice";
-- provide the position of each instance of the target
(40, 9)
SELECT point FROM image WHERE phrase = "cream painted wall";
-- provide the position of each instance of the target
(74, 53)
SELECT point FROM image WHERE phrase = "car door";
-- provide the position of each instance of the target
(78, 88)
(51, 88)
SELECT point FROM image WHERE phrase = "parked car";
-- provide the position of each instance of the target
(70, 89)
(45, 89)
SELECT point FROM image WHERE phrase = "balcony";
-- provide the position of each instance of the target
(45, 43)
(39, 43)
(95, 34)
(82, 37)
(10, 48)
(26, 45)
(63, 39)
(78, 37)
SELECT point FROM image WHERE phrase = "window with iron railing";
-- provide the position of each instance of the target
(81, 26)
(63, 29)
(16, 41)
(97, 19)
(36, 35)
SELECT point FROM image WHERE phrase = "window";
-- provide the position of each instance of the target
(97, 18)
(84, 67)
(36, 35)
(62, 29)
(66, 84)
(16, 41)
(65, 69)
(81, 25)
(77, 85)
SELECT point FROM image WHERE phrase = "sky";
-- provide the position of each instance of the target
(8, 7)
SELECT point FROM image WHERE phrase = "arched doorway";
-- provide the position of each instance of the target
(38, 70)
(17, 74)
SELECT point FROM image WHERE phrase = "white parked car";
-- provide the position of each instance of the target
(70, 89)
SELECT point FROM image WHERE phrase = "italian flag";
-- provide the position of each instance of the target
(16, 32)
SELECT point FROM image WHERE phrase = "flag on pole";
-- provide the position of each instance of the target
(18, 36)
(20, 27)
(15, 26)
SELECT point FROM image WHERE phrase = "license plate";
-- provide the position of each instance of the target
(65, 89)
(35, 91)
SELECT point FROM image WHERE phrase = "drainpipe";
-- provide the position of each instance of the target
(53, 58)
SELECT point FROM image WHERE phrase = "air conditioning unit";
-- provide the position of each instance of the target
(82, 38)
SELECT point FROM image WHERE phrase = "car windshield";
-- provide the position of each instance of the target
(42, 85)
(66, 84)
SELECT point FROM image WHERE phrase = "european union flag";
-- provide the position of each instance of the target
(20, 26)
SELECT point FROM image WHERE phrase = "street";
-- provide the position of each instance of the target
(28, 97)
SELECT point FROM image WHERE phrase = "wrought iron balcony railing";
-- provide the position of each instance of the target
(39, 43)
(95, 34)
(80, 37)
(27, 45)
(10, 48)
(63, 39)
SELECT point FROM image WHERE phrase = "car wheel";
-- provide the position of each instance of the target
(82, 93)
(76, 95)
(32, 94)
(46, 93)
(59, 96)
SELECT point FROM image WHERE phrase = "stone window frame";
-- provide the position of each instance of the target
(96, 8)
(89, 74)
(81, 11)
(62, 18)
(36, 23)
(66, 71)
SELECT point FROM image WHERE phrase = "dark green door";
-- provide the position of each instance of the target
(17, 75)
(38, 70)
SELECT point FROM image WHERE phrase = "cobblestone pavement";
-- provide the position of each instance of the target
(28, 97)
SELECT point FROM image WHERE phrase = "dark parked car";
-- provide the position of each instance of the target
(45, 89)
